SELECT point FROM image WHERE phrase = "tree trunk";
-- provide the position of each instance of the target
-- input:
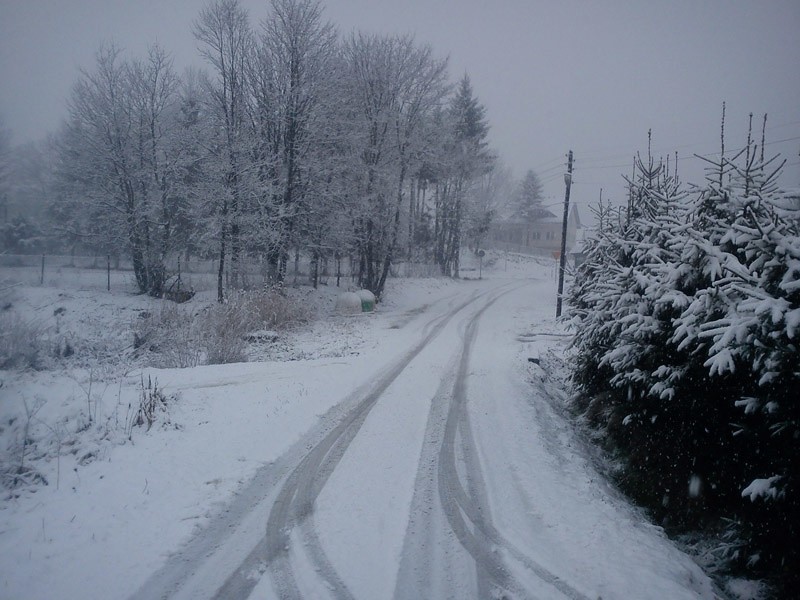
(457, 237)
(222, 241)
(412, 216)
(314, 269)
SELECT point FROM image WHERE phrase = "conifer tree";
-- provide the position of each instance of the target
(528, 199)
(687, 317)
(466, 157)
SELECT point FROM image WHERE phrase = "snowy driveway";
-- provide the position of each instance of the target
(410, 454)
(450, 472)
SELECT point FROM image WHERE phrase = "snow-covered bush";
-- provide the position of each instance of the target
(274, 309)
(225, 327)
(348, 303)
(687, 318)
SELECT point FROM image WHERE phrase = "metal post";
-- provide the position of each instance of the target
(108, 271)
(41, 278)
(563, 257)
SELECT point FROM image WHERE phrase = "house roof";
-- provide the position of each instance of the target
(552, 218)
(547, 216)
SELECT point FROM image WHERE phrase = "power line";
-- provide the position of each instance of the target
(550, 178)
(542, 166)
(665, 150)
(791, 139)
(684, 157)
(543, 171)
(558, 168)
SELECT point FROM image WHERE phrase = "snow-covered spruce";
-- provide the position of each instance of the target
(687, 315)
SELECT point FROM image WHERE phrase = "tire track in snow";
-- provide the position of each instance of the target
(433, 564)
(293, 508)
(230, 543)
(466, 510)
(459, 506)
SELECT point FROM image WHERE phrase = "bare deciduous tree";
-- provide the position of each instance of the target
(226, 40)
(293, 80)
(116, 153)
(396, 85)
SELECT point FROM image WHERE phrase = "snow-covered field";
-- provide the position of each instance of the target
(410, 453)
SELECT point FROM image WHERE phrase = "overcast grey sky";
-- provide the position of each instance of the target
(554, 75)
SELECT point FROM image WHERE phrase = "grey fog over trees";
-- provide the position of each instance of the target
(291, 140)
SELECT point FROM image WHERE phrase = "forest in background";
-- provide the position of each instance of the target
(293, 139)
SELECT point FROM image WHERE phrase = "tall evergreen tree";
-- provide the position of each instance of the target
(466, 157)
(528, 199)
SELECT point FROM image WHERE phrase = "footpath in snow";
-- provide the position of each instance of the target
(411, 453)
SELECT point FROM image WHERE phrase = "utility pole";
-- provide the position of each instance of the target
(563, 257)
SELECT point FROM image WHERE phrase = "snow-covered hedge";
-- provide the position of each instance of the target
(687, 321)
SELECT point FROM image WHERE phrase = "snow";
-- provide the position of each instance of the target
(759, 488)
(562, 514)
(121, 500)
(348, 303)
(746, 589)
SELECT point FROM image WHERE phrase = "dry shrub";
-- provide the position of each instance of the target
(177, 336)
(152, 402)
(22, 344)
(180, 337)
(171, 335)
(273, 309)
(224, 327)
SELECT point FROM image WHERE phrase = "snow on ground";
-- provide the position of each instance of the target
(115, 507)
(561, 504)
(120, 499)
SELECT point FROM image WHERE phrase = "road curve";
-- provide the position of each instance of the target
(461, 500)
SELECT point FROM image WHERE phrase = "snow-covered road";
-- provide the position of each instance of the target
(450, 472)
(414, 453)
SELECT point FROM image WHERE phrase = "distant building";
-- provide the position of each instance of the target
(577, 253)
(542, 236)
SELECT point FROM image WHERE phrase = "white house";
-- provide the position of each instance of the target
(542, 236)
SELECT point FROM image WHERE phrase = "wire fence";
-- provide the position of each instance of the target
(198, 274)
(114, 273)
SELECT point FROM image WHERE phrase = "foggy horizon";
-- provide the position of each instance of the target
(587, 77)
